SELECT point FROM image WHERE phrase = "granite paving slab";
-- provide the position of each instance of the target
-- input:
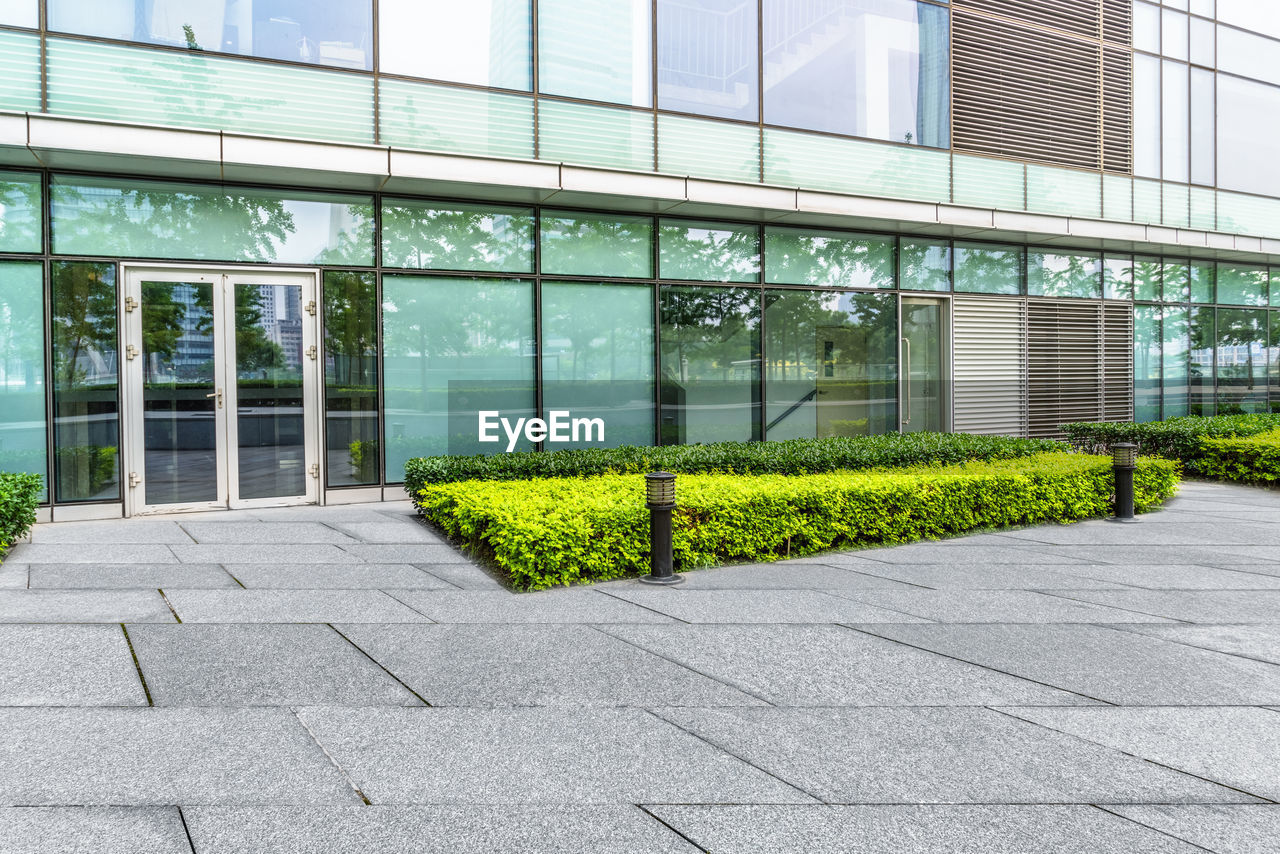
(97, 553)
(121, 576)
(1194, 606)
(260, 665)
(1259, 641)
(756, 606)
(915, 830)
(13, 576)
(67, 665)
(1100, 662)
(938, 755)
(960, 552)
(1237, 747)
(92, 830)
(533, 756)
(407, 553)
(145, 757)
(534, 665)
(290, 606)
(228, 553)
(949, 576)
(1165, 529)
(117, 531)
(993, 606)
(831, 666)
(566, 605)
(1159, 555)
(83, 606)
(386, 531)
(333, 576)
(1225, 830)
(1175, 577)
(465, 576)
(782, 576)
(244, 533)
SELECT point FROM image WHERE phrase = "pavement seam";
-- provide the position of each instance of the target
(1149, 827)
(395, 598)
(169, 604)
(223, 567)
(1171, 620)
(379, 664)
(190, 536)
(350, 782)
(187, 830)
(1128, 629)
(645, 607)
(644, 809)
(137, 665)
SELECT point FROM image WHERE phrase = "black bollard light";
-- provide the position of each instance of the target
(660, 496)
(1124, 459)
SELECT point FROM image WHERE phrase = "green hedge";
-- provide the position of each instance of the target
(544, 533)
(1247, 459)
(19, 497)
(795, 456)
(1176, 438)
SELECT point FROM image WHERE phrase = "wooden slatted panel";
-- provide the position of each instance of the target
(1117, 110)
(1083, 17)
(1064, 364)
(1117, 334)
(989, 366)
(1117, 21)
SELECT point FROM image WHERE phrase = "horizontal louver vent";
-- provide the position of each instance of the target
(1064, 365)
(1082, 17)
(989, 365)
(1117, 110)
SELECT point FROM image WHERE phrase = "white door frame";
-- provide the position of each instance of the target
(222, 279)
(947, 388)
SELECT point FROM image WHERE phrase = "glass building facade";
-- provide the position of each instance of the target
(681, 220)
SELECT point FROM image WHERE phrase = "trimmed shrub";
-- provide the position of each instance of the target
(1177, 438)
(794, 456)
(1251, 459)
(545, 533)
(19, 497)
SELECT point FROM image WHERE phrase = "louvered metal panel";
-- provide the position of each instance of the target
(1082, 17)
(1117, 354)
(1065, 374)
(1117, 21)
(1117, 110)
(989, 365)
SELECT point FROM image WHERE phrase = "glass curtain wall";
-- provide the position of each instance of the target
(351, 377)
(23, 427)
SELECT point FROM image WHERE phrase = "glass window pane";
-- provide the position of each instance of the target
(1274, 361)
(20, 219)
(1247, 112)
(1202, 7)
(683, 143)
(1173, 34)
(1146, 116)
(988, 269)
(325, 32)
(1247, 55)
(1201, 283)
(1242, 361)
(894, 55)
(1177, 281)
(351, 377)
(988, 182)
(1175, 116)
(708, 251)
(1147, 349)
(1202, 42)
(20, 72)
(1242, 285)
(794, 256)
(1275, 287)
(1251, 15)
(145, 219)
(1202, 144)
(597, 362)
(856, 166)
(485, 42)
(1176, 361)
(424, 235)
(1117, 277)
(708, 58)
(595, 136)
(710, 364)
(453, 348)
(1050, 274)
(598, 50)
(1147, 274)
(832, 364)
(20, 13)
(449, 118)
(1070, 192)
(924, 265)
(22, 414)
(86, 423)
(590, 244)
(1200, 386)
(1146, 27)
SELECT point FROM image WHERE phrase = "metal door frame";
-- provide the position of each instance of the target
(947, 404)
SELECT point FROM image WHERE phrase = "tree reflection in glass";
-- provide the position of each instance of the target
(351, 377)
(421, 236)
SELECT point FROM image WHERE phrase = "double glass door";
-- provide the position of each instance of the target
(221, 377)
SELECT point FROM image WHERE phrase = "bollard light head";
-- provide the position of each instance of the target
(1124, 455)
(660, 489)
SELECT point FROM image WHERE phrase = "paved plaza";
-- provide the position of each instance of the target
(340, 680)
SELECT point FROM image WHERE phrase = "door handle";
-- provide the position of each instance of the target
(218, 395)
(906, 374)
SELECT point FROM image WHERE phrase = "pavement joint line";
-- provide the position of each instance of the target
(1149, 827)
(909, 645)
(137, 665)
(1006, 710)
(169, 604)
(1060, 594)
(1125, 627)
(671, 828)
(223, 567)
(743, 760)
(718, 679)
(343, 771)
(182, 528)
(380, 665)
(850, 595)
(611, 595)
(185, 829)
(395, 598)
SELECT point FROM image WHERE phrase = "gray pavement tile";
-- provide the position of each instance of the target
(330, 515)
(527, 756)
(781, 576)
(1239, 514)
(993, 606)
(386, 531)
(1165, 529)
(1100, 662)
(915, 830)
(431, 830)
(290, 606)
(565, 605)
(150, 756)
(33, 553)
(1165, 555)
(465, 576)
(246, 533)
(960, 552)
(1260, 641)
(13, 576)
(259, 665)
(1194, 606)
(407, 553)
(334, 576)
(67, 666)
(976, 577)
(92, 830)
(1176, 577)
(226, 553)
(1225, 830)
(83, 606)
(832, 666)
(757, 606)
(119, 576)
(120, 531)
(534, 665)
(1237, 747)
(933, 755)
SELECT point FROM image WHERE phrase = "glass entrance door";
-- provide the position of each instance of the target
(221, 375)
(925, 389)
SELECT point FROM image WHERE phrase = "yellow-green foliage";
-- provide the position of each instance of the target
(545, 533)
(1248, 459)
(19, 497)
